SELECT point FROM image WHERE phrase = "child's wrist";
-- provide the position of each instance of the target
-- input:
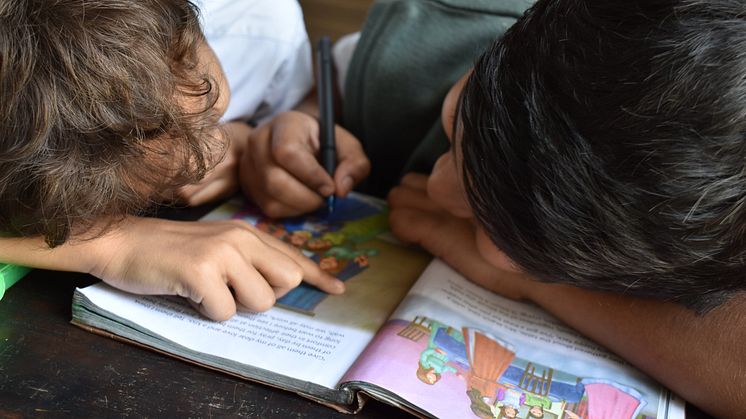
(95, 254)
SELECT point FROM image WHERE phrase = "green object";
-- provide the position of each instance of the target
(9, 275)
(409, 55)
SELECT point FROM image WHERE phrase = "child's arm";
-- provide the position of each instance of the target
(215, 265)
(700, 357)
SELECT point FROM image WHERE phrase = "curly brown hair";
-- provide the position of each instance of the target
(92, 125)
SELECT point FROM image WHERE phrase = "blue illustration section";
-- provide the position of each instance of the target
(306, 297)
(333, 240)
(559, 390)
(452, 347)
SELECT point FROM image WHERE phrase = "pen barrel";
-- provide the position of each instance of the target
(328, 158)
(325, 88)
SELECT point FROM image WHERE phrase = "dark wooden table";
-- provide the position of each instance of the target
(50, 368)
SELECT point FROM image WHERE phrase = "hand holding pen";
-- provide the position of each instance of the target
(281, 169)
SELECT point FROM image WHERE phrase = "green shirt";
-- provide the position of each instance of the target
(409, 55)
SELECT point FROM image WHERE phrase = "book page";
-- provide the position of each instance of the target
(281, 341)
(310, 336)
(459, 351)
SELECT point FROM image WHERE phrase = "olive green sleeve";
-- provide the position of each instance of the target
(409, 55)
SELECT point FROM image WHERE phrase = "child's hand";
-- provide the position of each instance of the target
(415, 218)
(281, 173)
(222, 180)
(213, 264)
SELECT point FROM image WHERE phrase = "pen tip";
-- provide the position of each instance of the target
(330, 203)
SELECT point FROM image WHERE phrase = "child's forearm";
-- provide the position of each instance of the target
(214, 264)
(73, 256)
(700, 357)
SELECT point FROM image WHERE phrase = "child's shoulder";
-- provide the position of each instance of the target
(252, 18)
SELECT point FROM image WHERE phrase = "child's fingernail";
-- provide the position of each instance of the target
(326, 190)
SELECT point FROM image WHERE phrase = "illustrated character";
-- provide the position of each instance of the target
(361, 260)
(318, 244)
(349, 261)
(299, 238)
(434, 360)
(274, 229)
(537, 404)
(506, 411)
(507, 402)
(329, 264)
(536, 412)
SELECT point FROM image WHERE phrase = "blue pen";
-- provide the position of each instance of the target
(324, 85)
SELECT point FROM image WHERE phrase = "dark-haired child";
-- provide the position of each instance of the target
(597, 166)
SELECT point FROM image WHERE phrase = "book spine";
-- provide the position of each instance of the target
(9, 275)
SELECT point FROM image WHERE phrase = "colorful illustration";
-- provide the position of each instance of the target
(607, 399)
(489, 358)
(445, 347)
(467, 372)
(333, 240)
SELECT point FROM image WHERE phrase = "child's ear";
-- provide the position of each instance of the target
(493, 255)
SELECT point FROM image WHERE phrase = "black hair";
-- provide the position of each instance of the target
(604, 146)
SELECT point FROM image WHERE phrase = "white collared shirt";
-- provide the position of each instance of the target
(264, 49)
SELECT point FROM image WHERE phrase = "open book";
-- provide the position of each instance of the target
(409, 331)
